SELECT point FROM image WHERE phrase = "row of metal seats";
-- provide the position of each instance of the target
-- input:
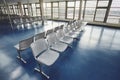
(5, 16)
(26, 20)
(47, 46)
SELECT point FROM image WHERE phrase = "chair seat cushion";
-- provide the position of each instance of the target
(66, 39)
(73, 35)
(59, 46)
(48, 57)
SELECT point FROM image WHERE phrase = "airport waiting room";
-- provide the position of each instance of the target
(59, 39)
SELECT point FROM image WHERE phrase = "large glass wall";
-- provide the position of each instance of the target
(91, 10)
(104, 11)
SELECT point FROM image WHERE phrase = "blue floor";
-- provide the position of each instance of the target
(95, 56)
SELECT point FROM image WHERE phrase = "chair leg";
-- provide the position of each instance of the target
(70, 45)
(20, 57)
(40, 71)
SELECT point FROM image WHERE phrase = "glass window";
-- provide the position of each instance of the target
(62, 10)
(70, 10)
(26, 11)
(83, 3)
(25, 6)
(11, 9)
(17, 9)
(48, 10)
(34, 9)
(114, 14)
(91, 3)
(90, 10)
(55, 4)
(38, 13)
(23, 10)
(77, 7)
(70, 13)
(70, 4)
(48, 4)
(103, 3)
(100, 14)
(37, 5)
(55, 10)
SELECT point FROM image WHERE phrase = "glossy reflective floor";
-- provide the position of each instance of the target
(95, 56)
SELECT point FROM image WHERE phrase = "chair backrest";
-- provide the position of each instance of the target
(24, 44)
(67, 29)
(71, 26)
(38, 47)
(49, 31)
(51, 38)
(56, 29)
(39, 36)
(61, 27)
(60, 33)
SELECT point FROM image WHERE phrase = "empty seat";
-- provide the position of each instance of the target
(39, 36)
(80, 25)
(24, 44)
(54, 43)
(73, 29)
(61, 36)
(68, 32)
(43, 55)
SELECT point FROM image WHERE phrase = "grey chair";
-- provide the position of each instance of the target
(61, 36)
(54, 43)
(39, 36)
(24, 44)
(43, 55)
(73, 29)
(68, 32)
(80, 25)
